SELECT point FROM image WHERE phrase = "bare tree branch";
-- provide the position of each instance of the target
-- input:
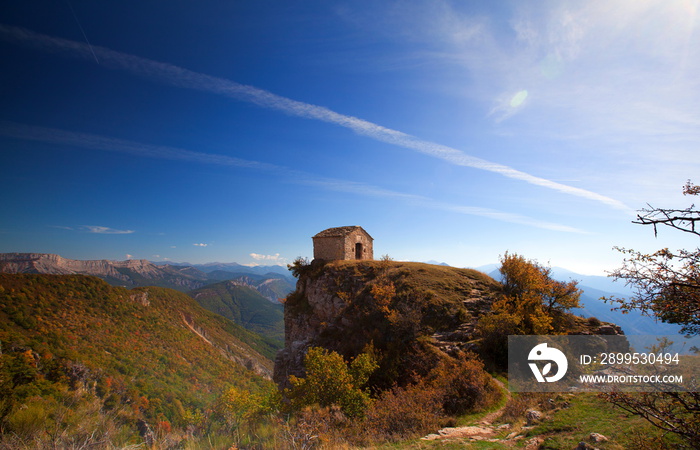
(680, 219)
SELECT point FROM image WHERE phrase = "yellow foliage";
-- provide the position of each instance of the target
(530, 300)
(330, 381)
(383, 293)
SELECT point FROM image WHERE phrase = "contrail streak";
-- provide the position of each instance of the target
(178, 76)
(75, 16)
(103, 143)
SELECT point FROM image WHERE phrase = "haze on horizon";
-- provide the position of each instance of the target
(449, 131)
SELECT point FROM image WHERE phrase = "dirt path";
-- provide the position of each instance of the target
(483, 431)
(486, 431)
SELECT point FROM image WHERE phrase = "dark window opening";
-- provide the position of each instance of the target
(358, 251)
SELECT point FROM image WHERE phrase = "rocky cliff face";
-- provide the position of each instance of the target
(134, 272)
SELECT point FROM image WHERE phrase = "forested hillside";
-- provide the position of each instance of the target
(244, 305)
(128, 359)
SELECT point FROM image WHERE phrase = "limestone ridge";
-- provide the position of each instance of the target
(129, 273)
(54, 264)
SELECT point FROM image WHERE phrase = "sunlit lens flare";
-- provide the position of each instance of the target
(518, 99)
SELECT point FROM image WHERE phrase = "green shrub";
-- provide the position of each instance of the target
(331, 381)
(28, 420)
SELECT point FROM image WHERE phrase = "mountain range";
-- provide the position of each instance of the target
(238, 298)
(140, 272)
(231, 267)
(249, 296)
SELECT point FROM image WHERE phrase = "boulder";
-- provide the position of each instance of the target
(533, 416)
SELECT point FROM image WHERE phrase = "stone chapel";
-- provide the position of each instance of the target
(351, 242)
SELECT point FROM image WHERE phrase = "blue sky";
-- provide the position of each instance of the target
(451, 131)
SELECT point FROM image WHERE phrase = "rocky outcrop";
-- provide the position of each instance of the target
(309, 311)
(335, 306)
(140, 297)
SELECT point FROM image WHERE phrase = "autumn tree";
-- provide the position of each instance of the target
(532, 295)
(666, 285)
(531, 302)
(523, 279)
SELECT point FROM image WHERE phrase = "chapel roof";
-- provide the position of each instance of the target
(340, 231)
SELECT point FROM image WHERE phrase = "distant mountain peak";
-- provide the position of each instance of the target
(437, 263)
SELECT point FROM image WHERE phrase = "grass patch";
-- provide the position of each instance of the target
(588, 414)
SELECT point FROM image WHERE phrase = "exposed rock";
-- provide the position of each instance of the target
(534, 443)
(533, 416)
(597, 437)
(609, 330)
(290, 361)
(584, 446)
(140, 297)
(431, 437)
(146, 432)
(469, 432)
(476, 433)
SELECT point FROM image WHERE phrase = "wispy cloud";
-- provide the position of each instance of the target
(96, 142)
(104, 230)
(93, 228)
(61, 227)
(180, 77)
(200, 245)
(276, 258)
(90, 141)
